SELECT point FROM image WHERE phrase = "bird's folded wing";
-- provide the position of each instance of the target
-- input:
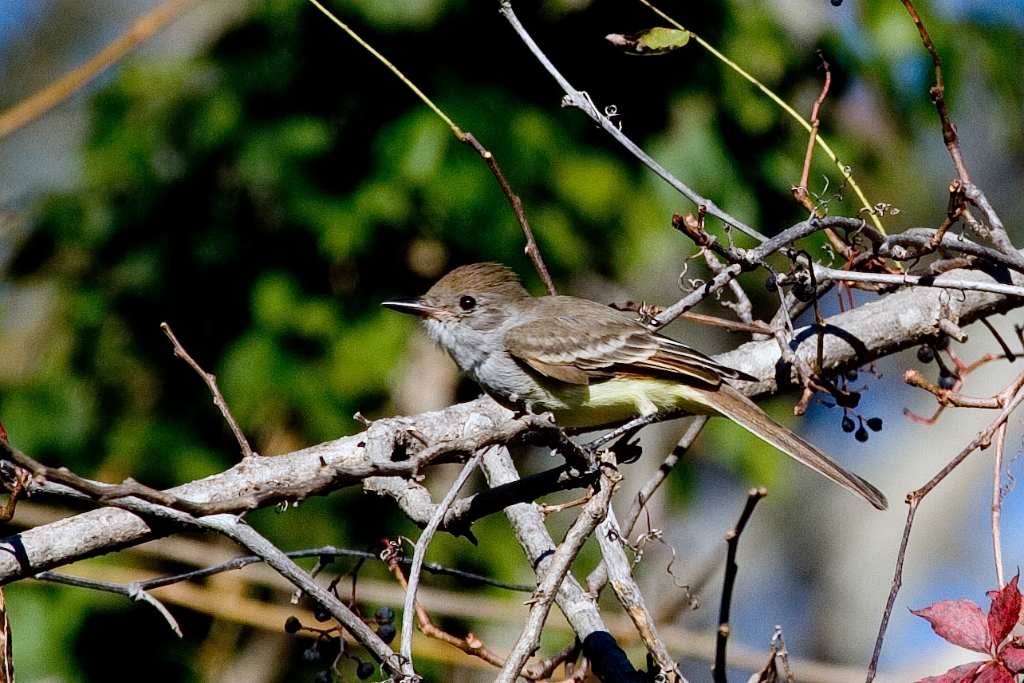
(575, 349)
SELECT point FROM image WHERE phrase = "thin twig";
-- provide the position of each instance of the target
(997, 504)
(421, 548)
(465, 137)
(996, 231)
(1007, 351)
(815, 125)
(471, 645)
(544, 669)
(611, 539)
(833, 275)
(732, 539)
(394, 69)
(245, 561)
(465, 511)
(558, 566)
(693, 298)
(751, 327)
(949, 397)
(135, 591)
(599, 576)
(1010, 397)
(579, 99)
(844, 170)
(938, 95)
(742, 307)
(238, 531)
(211, 382)
(517, 207)
(49, 97)
(800, 191)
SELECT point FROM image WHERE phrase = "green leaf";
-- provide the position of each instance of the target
(653, 41)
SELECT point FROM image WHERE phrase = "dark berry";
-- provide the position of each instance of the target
(851, 374)
(947, 381)
(847, 399)
(942, 342)
(384, 615)
(322, 676)
(331, 648)
(875, 424)
(771, 284)
(861, 435)
(321, 614)
(803, 292)
(326, 559)
(386, 632)
(926, 354)
(365, 670)
(292, 625)
(837, 3)
(311, 655)
(848, 425)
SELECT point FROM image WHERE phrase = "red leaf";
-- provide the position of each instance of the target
(994, 672)
(1013, 657)
(1005, 610)
(961, 623)
(959, 674)
(3, 434)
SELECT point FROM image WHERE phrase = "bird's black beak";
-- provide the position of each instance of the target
(412, 307)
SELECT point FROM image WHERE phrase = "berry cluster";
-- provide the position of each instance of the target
(873, 423)
(926, 354)
(329, 647)
(848, 400)
(384, 618)
(803, 291)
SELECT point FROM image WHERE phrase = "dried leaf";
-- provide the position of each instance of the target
(1005, 610)
(994, 673)
(964, 673)
(961, 622)
(652, 41)
(1013, 657)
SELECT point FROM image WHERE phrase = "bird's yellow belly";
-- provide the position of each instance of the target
(619, 399)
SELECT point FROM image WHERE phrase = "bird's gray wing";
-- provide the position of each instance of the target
(575, 349)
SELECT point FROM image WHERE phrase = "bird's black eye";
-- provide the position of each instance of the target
(467, 303)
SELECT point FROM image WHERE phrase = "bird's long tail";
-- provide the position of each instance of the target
(741, 410)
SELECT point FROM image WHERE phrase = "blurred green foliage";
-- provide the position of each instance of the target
(265, 195)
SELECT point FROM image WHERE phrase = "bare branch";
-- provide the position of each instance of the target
(579, 99)
(557, 566)
(901, 320)
(579, 608)
(211, 382)
(938, 95)
(421, 548)
(1010, 398)
(732, 538)
(611, 538)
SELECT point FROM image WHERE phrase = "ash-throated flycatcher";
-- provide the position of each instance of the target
(590, 365)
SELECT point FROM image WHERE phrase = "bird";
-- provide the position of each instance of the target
(590, 365)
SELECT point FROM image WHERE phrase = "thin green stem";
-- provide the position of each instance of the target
(847, 175)
(394, 69)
